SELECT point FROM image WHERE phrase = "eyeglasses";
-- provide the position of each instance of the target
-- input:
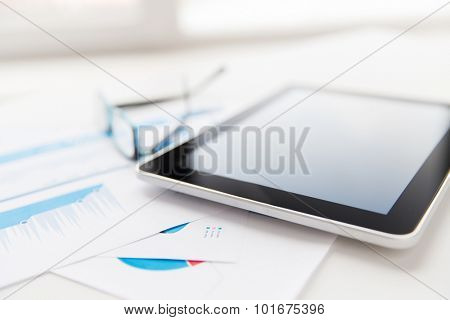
(126, 134)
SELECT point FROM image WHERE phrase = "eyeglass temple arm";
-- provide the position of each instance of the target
(196, 89)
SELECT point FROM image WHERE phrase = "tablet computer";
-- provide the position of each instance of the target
(366, 167)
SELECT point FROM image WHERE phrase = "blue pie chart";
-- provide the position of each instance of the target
(158, 264)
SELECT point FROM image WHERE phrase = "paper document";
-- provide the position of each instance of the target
(215, 238)
(38, 231)
(37, 168)
(275, 262)
(36, 235)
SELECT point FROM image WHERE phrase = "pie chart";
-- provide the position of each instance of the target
(159, 264)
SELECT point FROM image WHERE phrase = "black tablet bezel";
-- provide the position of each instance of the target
(403, 217)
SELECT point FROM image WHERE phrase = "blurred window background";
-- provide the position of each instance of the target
(106, 25)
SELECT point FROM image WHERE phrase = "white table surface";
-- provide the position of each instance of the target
(416, 66)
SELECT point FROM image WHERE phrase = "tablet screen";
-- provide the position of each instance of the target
(352, 150)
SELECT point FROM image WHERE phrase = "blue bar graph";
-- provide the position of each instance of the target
(21, 215)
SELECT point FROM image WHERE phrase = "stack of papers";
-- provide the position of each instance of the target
(73, 206)
(262, 259)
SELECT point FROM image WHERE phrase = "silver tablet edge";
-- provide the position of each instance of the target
(347, 230)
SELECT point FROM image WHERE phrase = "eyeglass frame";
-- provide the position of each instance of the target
(111, 108)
